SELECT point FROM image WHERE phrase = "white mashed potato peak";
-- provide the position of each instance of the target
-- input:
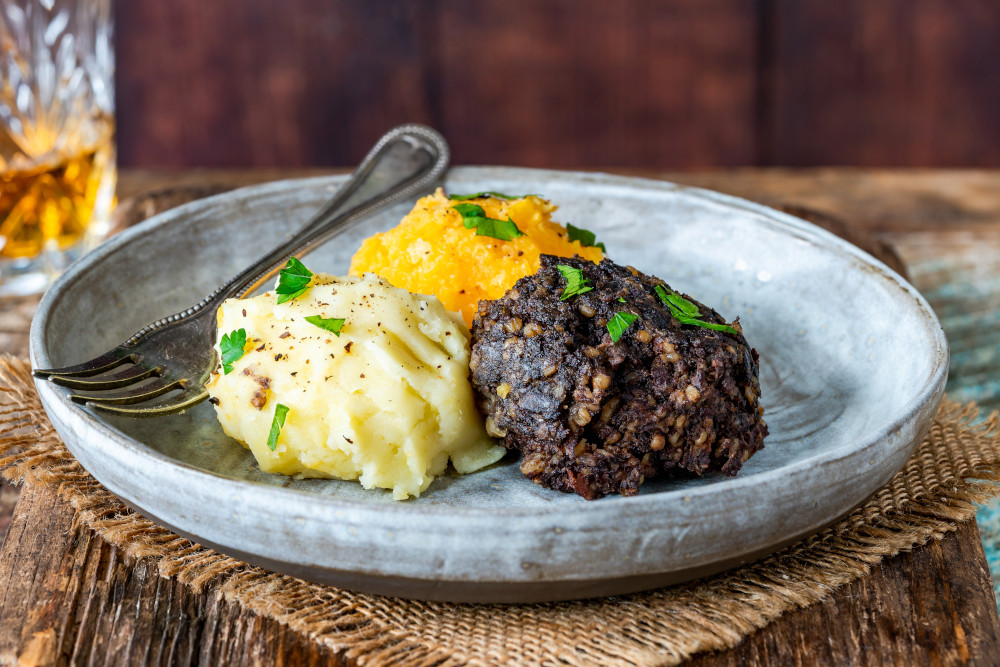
(388, 402)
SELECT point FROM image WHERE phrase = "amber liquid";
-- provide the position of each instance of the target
(48, 205)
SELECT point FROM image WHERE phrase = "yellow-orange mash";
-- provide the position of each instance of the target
(431, 252)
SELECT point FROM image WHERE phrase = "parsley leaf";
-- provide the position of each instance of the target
(473, 216)
(469, 211)
(505, 230)
(619, 323)
(280, 411)
(331, 324)
(293, 280)
(576, 283)
(686, 312)
(676, 302)
(585, 237)
(232, 345)
(488, 193)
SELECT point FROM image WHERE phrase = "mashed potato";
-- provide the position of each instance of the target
(431, 251)
(388, 402)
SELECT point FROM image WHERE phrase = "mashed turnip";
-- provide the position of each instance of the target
(431, 251)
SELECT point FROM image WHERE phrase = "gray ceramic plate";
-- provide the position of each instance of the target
(853, 365)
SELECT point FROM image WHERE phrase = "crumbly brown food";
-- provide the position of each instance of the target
(593, 416)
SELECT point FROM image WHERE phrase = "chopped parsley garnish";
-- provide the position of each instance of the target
(331, 324)
(686, 312)
(487, 193)
(622, 299)
(585, 237)
(280, 411)
(232, 345)
(619, 323)
(576, 283)
(293, 280)
(469, 212)
(505, 230)
(473, 216)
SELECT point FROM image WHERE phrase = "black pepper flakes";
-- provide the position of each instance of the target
(347, 348)
(285, 334)
(244, 312)
(261, 348)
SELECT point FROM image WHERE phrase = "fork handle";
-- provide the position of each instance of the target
(406, 161)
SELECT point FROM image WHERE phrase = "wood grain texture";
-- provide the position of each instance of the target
(264, 82)
(878, 200)
(927, 607)
(564, 83)
(70, 598)
(314, 82)
(964, 291)
(8, 499)
(876, 83)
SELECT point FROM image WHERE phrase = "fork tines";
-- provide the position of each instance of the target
(106, 362)
(127, 405)
(143, 383)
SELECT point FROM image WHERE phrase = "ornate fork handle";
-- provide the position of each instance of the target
(406, 161)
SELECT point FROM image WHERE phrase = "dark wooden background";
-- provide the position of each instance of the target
(562, 83)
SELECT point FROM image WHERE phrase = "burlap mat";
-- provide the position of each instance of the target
(937, 488)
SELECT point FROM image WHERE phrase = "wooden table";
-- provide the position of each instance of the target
(68, 597)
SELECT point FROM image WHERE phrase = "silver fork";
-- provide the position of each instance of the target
(175, 355)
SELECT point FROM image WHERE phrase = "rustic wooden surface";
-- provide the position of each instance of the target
(562, 83)
(921, 608)
(69, 598)
(66, 597)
